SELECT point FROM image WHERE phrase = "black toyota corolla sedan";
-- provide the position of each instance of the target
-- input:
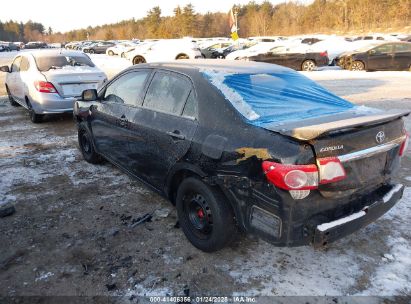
(246, 146)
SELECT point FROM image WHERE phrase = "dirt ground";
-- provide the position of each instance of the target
(73, 232)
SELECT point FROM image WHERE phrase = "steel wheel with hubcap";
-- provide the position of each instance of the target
(357, 66)
(110, 53)
(86, 145)
(205, 216)
(308, 65)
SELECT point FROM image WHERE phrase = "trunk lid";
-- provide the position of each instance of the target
(72, 81)
(367, 146)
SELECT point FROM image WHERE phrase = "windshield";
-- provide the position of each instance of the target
(276, 97)
(45, 63)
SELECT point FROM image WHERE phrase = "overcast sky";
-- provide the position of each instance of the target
(75, 14)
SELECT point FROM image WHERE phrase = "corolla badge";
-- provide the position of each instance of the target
(380, 137)
(332, 148)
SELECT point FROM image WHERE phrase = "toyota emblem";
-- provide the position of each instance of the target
(380, 137)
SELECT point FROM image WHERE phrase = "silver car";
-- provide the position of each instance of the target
(49, 81)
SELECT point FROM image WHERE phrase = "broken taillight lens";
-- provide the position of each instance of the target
(44, 87)
(404, 145)
(304, 177)
(330, 170)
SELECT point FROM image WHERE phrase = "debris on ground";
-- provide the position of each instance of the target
(140, 220)
(161, 213)
(7, 209)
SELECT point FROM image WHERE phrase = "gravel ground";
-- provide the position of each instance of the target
(73, 234)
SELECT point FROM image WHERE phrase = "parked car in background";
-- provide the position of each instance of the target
(215, 50)
(246, 146)
(8, 46)
(392, 56)
(292, 58)
(164, 50)
(252, 50)
(35, 45)
(98, 47)
(48, 82)
(121, 48)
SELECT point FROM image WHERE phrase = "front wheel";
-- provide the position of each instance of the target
(138, 60)
(86, 145)
(357, 66)
(308, 65)
(91, 51)
(205, 216)
(110, 53)
(11, 99)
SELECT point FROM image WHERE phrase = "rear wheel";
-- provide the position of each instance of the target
(110, 53)
(91, 51)
(182, 56)
(34, 117)
(138, 60)
(205, 216)
(357, 66)
(86, 145)
(123, 55)
(308, 65)
(11, 99)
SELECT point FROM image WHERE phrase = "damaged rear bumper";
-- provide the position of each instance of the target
(334, 230)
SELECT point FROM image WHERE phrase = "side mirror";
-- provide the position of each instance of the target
(89, 95)
(372, 52)
(5, 68)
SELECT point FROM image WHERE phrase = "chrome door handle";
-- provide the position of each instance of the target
(176, 134)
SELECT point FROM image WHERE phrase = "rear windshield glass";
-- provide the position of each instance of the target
(45, 63)
(278, 97)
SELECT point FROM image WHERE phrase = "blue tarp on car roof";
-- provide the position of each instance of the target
(276, 97)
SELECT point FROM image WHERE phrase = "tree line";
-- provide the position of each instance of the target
(288, 18)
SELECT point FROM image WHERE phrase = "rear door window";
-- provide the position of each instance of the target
(400, 48)
(24, 65)
(191, 106)
(127, 89)
(167, 93)
(15, 66)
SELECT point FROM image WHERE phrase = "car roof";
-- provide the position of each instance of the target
(55, 52)
(219, 65)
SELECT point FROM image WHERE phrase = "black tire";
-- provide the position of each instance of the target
(357, 66)
(11, 99)
(182, 56)
(86, 145)
(308, 65)
(204, 214)
(91, 51)
(138, 60)
(123, 55)
(34, 117)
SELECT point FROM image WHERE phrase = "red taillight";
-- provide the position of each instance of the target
(291, 177)
(45, 87)
(324, 54)
(304, 177)
(404, 144)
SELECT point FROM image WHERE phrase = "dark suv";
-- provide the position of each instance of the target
(245, 145)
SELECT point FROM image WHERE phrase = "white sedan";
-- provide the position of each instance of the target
(121, 49)
(49, 81)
